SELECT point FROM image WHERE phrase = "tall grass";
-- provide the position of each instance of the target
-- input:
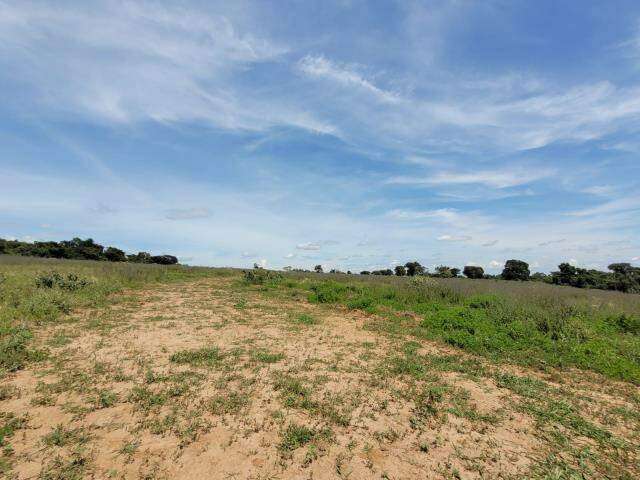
(525, 323)
(36, 291)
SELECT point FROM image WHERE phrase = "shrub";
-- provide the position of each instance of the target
(261, 276)
(626, 323)
(71, 282)
(328, 292)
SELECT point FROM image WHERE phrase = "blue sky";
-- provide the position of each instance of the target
(353, 134)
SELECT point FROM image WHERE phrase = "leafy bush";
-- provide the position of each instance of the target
(626, 323)
(70, 282)
(328, 292)
(259, 276)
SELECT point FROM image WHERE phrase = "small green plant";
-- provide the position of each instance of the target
(267, 357)
(105, 399)
(305, 319)
(61, 436)
(296, 436)
(230, 403)
(293, 392)
(198, 357)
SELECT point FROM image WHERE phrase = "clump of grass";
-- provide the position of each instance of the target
(304, 319)
(105, 399)
(61, 436)
(229, 403)
(14, 351)
(198, 357)
(267, 357)
(293, 392)
(146, 398)
(9, 423)
(73, 468)
(8, 391)
(296, 436)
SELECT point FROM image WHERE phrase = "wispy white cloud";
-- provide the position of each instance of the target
(614, 206)
(454, 238)
(308, 246)
(126, 62)
(321, 67)
(494, 179)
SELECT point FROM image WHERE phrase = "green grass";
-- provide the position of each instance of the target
(202, 356)
(518, 322)
(304, 319)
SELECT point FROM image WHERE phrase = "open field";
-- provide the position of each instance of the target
(136, 371)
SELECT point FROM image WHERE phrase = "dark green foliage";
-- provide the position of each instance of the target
(70, 282)
(78, 249)
(516, 270)
(365, 272)
(443, 271)
(164, 259)
(473, 271)
(140, 257)
(414, 268)
(623, 277)
(400, 270)
(626, 323)
(260, 276)
(317, 269)
(113, 254)
(387, 272)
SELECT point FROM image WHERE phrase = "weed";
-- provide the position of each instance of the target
(229, 403)
(199, 357)
(296, 436)
(305, 319)
(61, 436)
(267, 357)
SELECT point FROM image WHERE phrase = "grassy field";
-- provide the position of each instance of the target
(528, 323)
(141, 371)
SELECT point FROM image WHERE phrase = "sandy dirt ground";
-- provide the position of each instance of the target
(209, 380)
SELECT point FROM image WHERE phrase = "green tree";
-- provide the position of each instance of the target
(400, 270)
(516, 270)
(317, 269)
(414, 268)
(113, 254)
(473, 271)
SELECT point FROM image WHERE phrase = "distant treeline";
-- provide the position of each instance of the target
(79, 249)
(622, 277)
